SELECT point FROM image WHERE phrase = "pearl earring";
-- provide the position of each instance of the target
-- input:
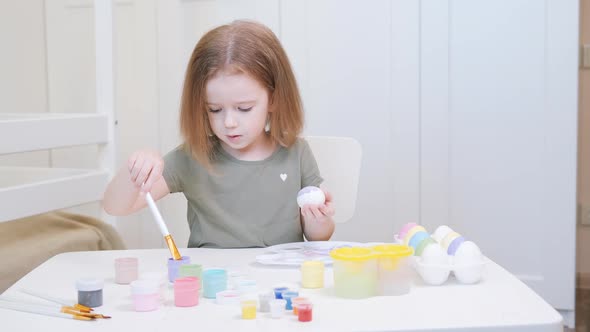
(267, 126)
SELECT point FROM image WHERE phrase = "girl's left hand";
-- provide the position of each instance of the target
(319, 213)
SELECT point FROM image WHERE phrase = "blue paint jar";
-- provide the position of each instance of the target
(279, 292)
(288, 296)
(214, 281)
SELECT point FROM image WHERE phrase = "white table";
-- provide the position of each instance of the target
(500, 302)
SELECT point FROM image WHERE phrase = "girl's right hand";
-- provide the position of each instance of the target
(145, 168)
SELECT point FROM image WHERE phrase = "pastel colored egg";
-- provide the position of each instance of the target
(455, 245)
(420, 248)
(417, 238)
(411, 233)
(402, 232)
(448, 239)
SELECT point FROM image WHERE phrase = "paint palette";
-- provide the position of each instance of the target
(295, 253)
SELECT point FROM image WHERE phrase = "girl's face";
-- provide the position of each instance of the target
(238, 108)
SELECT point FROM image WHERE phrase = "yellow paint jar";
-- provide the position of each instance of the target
(248, 309)
(312, 274)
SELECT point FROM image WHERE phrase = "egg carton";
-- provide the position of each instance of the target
(438, 274)
(435, 266)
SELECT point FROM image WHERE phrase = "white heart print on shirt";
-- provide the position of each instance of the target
(283, 176)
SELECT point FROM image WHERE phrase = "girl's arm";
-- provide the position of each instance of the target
(316, 220)
(125, 193)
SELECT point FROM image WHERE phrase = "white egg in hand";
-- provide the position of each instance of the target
(310, 195)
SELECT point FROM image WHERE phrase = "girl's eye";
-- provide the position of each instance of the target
(245, 109)
(214, 110)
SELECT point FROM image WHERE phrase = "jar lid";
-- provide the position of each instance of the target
(228, 297)
(153, 275)
(89, 284)
(144, 286)
(126, 261)
(312, 264)
(393, 250)
(187, 283)
(355, 254)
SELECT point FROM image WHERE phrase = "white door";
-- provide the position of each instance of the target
(498, 133)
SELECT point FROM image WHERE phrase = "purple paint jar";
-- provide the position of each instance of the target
(174, 266)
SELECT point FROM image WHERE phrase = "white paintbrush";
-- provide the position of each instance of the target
(160, 221)
(56, 300)
(45, 310)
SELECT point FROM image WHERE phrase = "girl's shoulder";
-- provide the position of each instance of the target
(180, 156)
(300, 144)
(300, 148)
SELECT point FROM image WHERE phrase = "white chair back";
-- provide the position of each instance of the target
(339, 161)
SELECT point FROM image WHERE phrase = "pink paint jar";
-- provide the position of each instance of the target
(160, 278)
(186, 291)
(125, 270)
(145, 294)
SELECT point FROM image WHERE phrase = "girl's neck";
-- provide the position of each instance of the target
(260, 149)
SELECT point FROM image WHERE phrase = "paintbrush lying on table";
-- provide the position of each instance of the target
(63, 302)
(48, 310)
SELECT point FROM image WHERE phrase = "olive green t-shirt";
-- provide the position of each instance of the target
(243, 203)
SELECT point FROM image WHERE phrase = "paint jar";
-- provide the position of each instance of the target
(355, 272)
(296, 301)
(288, 296)
(228, 297)
(277, 308)
(174, 265)
(279, 292)
(312, 274)
(246, 286)
(186, 291)
(304, 312)
(125, 270)
(90, 292)
(160, 279)
(145, 294)
(248, 309)
(234, 276)
(263, 300)
(214, 281)
(395, 270)
(192, 270)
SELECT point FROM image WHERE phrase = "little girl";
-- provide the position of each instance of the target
(241, 163)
